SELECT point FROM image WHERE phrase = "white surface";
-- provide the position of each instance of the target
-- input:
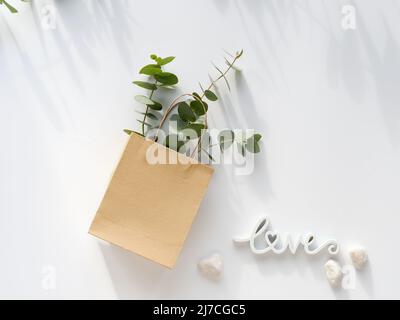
(327, 101)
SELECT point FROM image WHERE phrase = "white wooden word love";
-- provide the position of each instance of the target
(278, 244)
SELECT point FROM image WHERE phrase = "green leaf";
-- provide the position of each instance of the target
(151, 70)
(195, 94)
(178, 122)
(257, 137)
(9, 6)
(200, 108)
(197, 127)
(129, 132)
(155, 106)
(252, 145)
(164, 86)
(146, 85)
(145, 123)
(210, 95)
(225, 139)
(144, 100)
(166, 78)
(164, 61)
(152, 116)
(185, 112)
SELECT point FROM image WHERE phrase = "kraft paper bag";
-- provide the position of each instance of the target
(149, 208)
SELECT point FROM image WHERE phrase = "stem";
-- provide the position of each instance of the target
(222, 75)
(147, 109)
(209, 87)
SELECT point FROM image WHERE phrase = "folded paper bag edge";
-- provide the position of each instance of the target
(95, 231)
(126, 237)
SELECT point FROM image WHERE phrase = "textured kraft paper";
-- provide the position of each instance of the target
(149, 208)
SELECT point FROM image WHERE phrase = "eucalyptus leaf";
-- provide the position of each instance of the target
(185, 112)
(210, 95)
(225, 139)
(152, 115)
(129, 132)
(164, 86)
(145, 123)
(179, 124)
(197, 127)
(164, 61)
(195, 94)
(252, 145)
(200, 108)
(166, 78)
(155, 106)
(144, 100)
(9, 6)
(151, 70)
(145, 85)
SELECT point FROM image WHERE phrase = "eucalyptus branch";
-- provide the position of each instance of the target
(192, 108)
(161, 78)
(200, 98)
(147, 108)
(9, 6)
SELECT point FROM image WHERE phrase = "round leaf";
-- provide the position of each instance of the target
(146, 85)
(225, 139)
(200, 108)
(164, 61)
(144, 100)
(252, 145)
(196, 95)
(151, 69)
(197, 127)
(151, 116)
(166, 78)
(155, 106)
(185, 112)
(177, 123)
(210, 95)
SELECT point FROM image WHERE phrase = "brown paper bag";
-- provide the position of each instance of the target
(149, 208)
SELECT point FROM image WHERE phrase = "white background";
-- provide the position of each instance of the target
(327, 101)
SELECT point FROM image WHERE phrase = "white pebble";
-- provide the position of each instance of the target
(211, 266)
(358, 256)
(333, 272)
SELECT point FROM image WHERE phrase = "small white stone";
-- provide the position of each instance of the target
(333, 272)
(358, 256)
(211, 266)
